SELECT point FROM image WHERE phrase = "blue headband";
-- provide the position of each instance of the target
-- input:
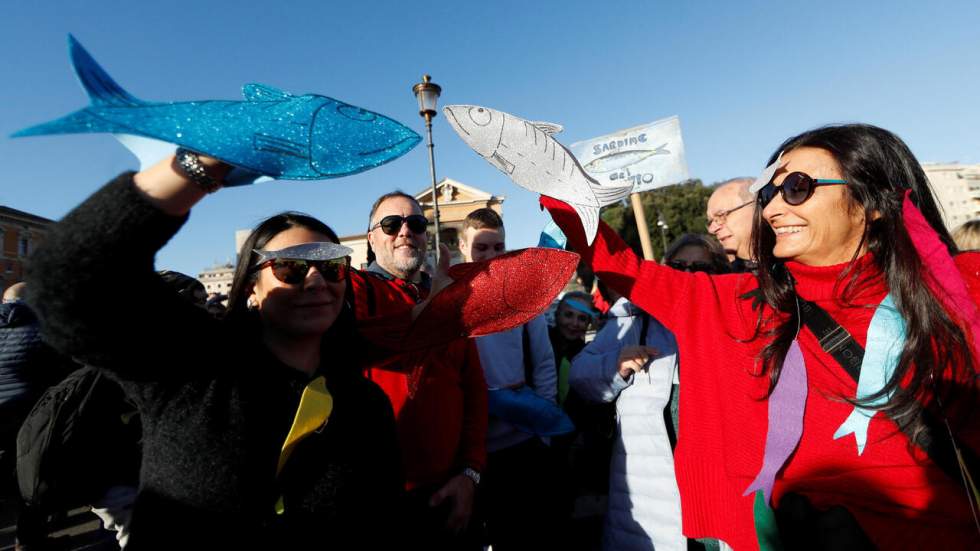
(577, 305)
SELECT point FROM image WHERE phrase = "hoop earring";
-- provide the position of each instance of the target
(251, 304)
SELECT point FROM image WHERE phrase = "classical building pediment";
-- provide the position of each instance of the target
(451, 191)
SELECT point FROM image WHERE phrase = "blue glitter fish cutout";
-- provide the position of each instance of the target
(272, 134)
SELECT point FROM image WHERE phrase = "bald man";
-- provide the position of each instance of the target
(15, 293)
(729, 215)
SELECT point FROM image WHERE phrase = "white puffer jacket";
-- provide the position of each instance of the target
(644, 504)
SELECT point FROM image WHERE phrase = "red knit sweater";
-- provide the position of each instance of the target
(902, 502)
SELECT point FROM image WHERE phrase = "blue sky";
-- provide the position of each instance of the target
(742, 76)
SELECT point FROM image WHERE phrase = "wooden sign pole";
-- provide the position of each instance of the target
(641, 226)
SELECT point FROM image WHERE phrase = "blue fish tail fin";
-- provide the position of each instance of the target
(79, 122)
(102, 90)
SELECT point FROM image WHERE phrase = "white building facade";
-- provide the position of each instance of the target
(217, 279)
(956, 188)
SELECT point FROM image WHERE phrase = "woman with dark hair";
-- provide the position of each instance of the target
(695, 252)
(839, 386)
(258, 429)
(574, 315)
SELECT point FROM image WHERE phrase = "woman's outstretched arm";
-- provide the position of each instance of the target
(93, 280)
(677, 299)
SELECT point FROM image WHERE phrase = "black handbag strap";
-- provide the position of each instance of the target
(644, 326)
(836, 341)
(833, 338)
(528, 360)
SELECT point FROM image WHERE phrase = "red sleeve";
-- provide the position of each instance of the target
(677, 299)
(969, 266)
(473, 442)
(969, 429)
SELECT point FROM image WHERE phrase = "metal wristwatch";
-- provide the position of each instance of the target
(473, 475)
(191, 166)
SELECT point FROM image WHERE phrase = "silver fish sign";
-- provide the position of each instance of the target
(534, 160)
(623, 159)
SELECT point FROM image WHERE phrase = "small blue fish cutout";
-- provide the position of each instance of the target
(886, 340)
(272, 133)
(552, 237)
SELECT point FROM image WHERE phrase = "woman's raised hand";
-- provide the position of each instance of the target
(168, 187)
(633, 359)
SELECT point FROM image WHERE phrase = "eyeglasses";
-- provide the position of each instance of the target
(706, 267)
(391, 224)
(721, 217)
(293, 271)
(796, 188)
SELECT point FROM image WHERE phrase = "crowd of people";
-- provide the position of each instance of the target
(802, 376)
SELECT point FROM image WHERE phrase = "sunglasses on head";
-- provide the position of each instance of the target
(796, 188)
(293, 271)
(392, 223)
(706, 267)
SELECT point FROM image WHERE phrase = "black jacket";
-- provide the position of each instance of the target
(27, 366)
(216, 405)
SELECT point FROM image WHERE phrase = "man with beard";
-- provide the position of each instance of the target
(439, 395)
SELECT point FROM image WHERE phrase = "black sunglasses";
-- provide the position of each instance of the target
(392, 223)
(293, 271)
(796, 188)
(706, 267)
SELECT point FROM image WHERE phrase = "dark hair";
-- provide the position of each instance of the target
(605, 292)
(484, 218)
(185, 286)
(262, 234)
(719, 260)
(374, 209)
(878, 168)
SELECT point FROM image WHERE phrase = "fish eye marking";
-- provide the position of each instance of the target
(480, 116)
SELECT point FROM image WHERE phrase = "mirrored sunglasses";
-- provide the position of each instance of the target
(293, 271)
(392, 223)
(796, 188)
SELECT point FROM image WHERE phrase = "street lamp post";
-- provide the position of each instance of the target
(663, 231)
(427, 94)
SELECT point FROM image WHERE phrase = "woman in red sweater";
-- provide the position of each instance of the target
(787, 440)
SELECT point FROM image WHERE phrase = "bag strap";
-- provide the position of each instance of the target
(528, 360)
(836, 341)
(833, 338)
(644, 326)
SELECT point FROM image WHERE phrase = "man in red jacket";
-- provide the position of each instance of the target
(439, 395)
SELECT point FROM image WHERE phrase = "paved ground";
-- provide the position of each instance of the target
(79, 531)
